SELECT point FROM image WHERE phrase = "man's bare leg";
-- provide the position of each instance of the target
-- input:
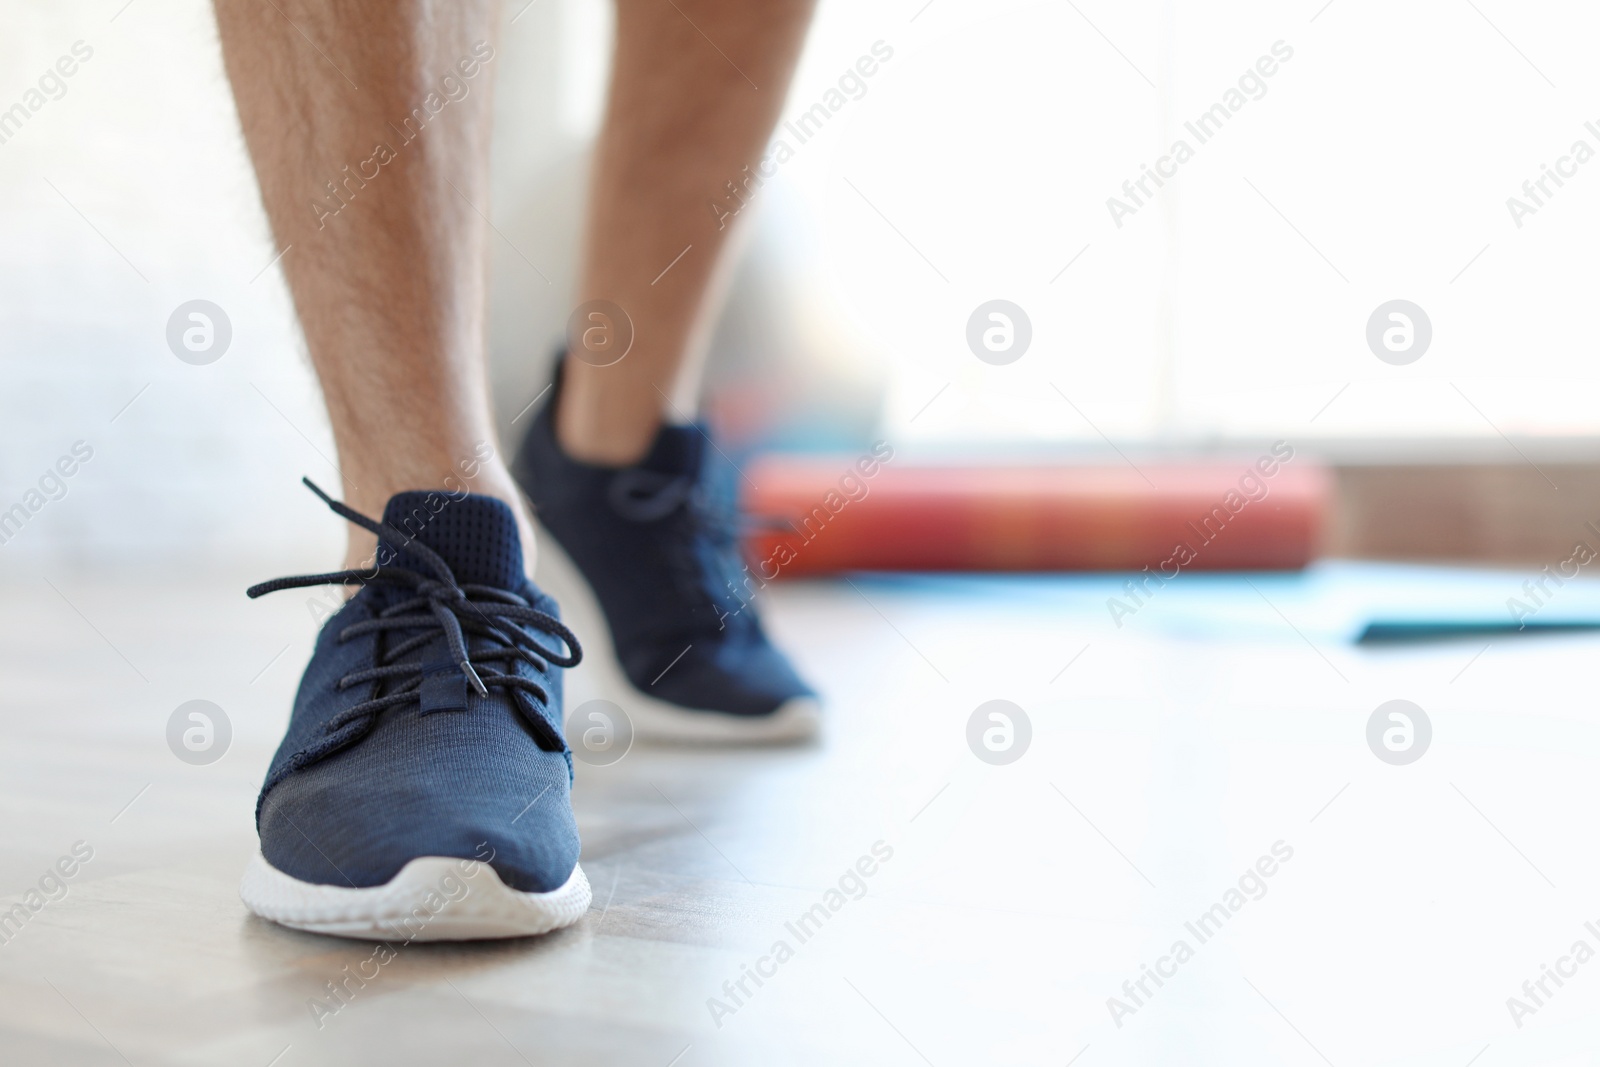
(388, 265)
(681, 122)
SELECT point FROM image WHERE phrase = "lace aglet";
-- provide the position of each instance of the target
(472, 676)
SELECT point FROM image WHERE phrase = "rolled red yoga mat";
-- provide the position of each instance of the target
(861, 513)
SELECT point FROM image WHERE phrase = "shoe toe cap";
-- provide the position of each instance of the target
(329, 827)
(751, 678)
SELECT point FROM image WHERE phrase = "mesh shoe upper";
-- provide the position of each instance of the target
(392, 751)
(657, 542)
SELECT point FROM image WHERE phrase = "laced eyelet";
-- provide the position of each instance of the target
(505, 619)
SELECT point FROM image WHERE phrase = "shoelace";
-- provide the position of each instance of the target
(498, 616)
(645, 496)
(705, 559)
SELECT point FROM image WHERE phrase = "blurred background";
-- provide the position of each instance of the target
(1229, 311)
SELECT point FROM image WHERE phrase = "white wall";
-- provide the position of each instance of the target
(977, 165)
(145, 144)
(204, 467)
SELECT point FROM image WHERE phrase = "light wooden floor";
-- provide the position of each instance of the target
(1164, 762)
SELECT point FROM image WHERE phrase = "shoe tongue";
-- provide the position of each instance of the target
(475, 535)
(677, 450)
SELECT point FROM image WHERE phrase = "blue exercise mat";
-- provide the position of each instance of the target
(1333, 600)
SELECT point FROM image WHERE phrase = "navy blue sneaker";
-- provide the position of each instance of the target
(653, 549)
(424, 789)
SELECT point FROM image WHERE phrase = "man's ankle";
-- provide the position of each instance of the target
(604, 422)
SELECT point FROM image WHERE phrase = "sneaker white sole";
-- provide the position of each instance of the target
(600, 676)
(432, 898)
